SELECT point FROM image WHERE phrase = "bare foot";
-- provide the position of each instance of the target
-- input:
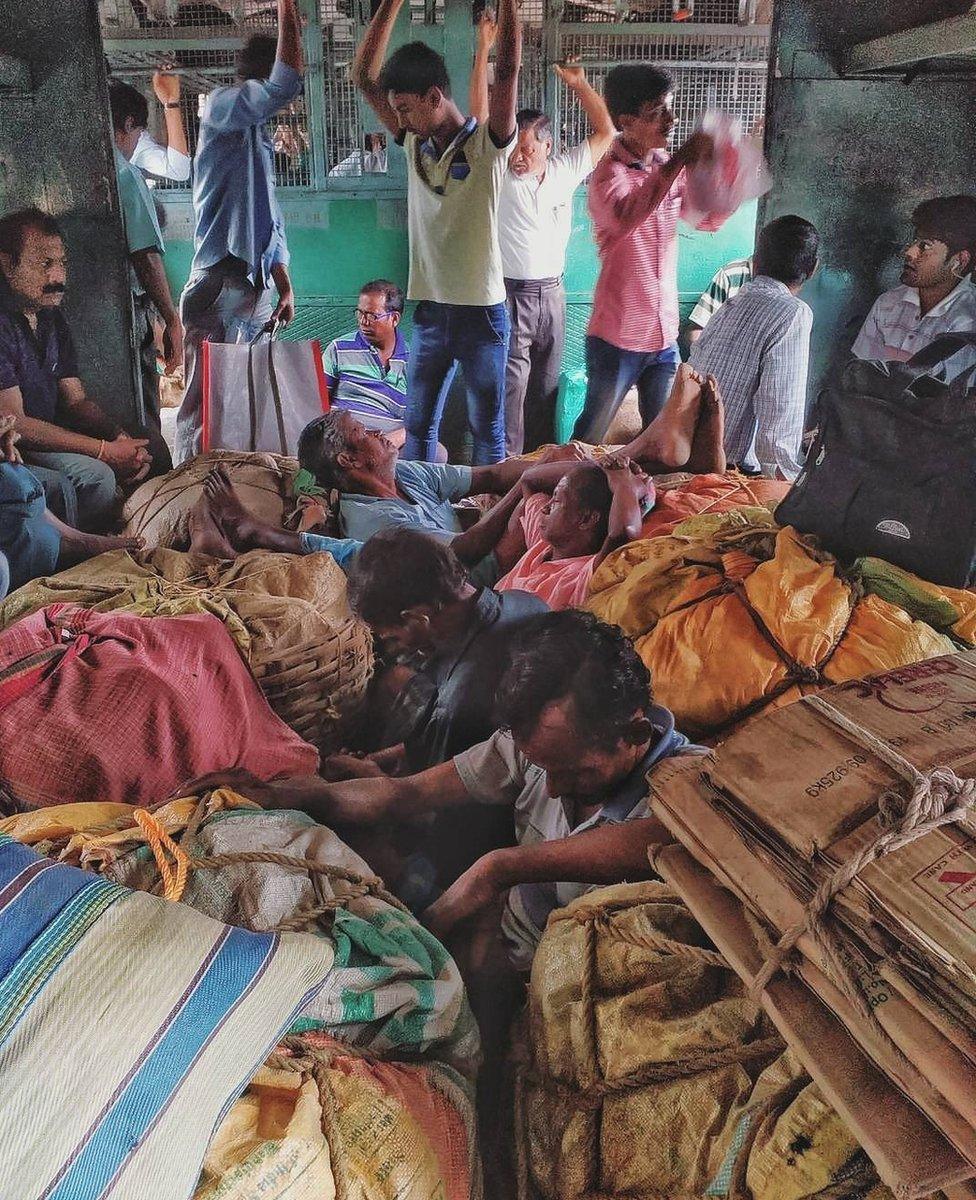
(233, 520)
(666, 444)
(77, 546)
(206, 536)
(708, 447)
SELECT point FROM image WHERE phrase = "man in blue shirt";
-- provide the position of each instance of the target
(147, 275)
(80, 453)
(240, 247)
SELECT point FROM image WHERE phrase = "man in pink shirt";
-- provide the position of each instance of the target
(557, 541)
(636, 195)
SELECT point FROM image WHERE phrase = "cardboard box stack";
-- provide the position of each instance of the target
(829, 849)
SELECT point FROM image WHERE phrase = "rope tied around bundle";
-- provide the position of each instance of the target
(588, 1097)
(175, 871)
(938, 797)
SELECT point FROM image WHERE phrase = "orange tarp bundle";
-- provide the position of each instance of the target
(710, 494)
(739, 619)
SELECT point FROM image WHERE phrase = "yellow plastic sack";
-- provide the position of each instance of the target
(738, 619)
(378, 1131)
(288, 614)
(649, 1073)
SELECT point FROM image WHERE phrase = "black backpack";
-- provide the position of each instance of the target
(892, 471)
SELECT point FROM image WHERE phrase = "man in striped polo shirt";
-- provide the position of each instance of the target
(726, 283)
(366, 371)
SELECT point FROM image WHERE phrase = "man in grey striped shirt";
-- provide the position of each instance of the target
(757, 345)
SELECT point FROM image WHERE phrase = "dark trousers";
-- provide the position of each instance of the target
(537, 311)
(611, 373)
(161, 459)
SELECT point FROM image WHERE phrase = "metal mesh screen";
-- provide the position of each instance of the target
(343, 132)
(727, 72)
(701, 12)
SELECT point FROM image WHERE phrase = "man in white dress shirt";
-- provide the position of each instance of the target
(171, 161)
(936, 295)
(534, 222)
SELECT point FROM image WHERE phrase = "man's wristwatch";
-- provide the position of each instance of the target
(172, 104)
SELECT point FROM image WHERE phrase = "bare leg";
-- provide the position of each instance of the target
(708, 448)
(240, 528)
(666, 444)
(77, 546)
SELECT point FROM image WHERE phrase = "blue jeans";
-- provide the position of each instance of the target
(30, 542)
(94, 486)
(611, 373)
(444, 337)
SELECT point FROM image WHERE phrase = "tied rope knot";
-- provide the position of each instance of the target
(938, 797)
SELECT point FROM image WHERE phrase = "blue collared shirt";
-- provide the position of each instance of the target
(35, 361)
(234, 198)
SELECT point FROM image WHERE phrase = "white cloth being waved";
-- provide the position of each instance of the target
(758, 347)
(896, 328)
(535, 217)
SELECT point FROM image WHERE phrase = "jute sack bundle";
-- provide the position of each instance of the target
(159, 510)
(288, 614)
(644, 1051)
(650, 1076)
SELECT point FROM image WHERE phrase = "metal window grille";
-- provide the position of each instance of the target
(718, 60)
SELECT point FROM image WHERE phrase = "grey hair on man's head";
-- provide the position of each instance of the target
(537, 121)
(319, 446)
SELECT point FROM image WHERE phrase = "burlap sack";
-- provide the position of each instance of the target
(648, 1074)
(159, 510)
(287, 613)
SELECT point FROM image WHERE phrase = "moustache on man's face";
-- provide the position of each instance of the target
(53, 289)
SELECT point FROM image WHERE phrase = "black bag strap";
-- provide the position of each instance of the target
(276, 396)
(939, 351)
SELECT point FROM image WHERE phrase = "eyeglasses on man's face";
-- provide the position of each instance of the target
(370, 318)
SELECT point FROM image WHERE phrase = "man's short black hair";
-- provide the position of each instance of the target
(415, 68)
(787, 250)
(950, 219)
(537, 121)
(403, 568)
(14, 225)
(319, 446)
(392, 295)
(574, 654)
(126, 101)
(629, 86)
(592, 490)
(256, 58)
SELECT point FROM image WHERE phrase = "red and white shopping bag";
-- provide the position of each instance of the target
(260, 396)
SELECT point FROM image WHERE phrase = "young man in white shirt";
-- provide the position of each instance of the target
(936, 295)
(454, 171)
(534, 223)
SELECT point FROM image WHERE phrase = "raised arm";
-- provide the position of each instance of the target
(606, 854)
(627, 488)
(623, 208)
(499, 477)
(167, 89)
(593, 104)
(290, 36)
(478, 87)
(368, 62)
(482, 538)
(508, 60)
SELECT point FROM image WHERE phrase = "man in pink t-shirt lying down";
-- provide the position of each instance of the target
(554, 542)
